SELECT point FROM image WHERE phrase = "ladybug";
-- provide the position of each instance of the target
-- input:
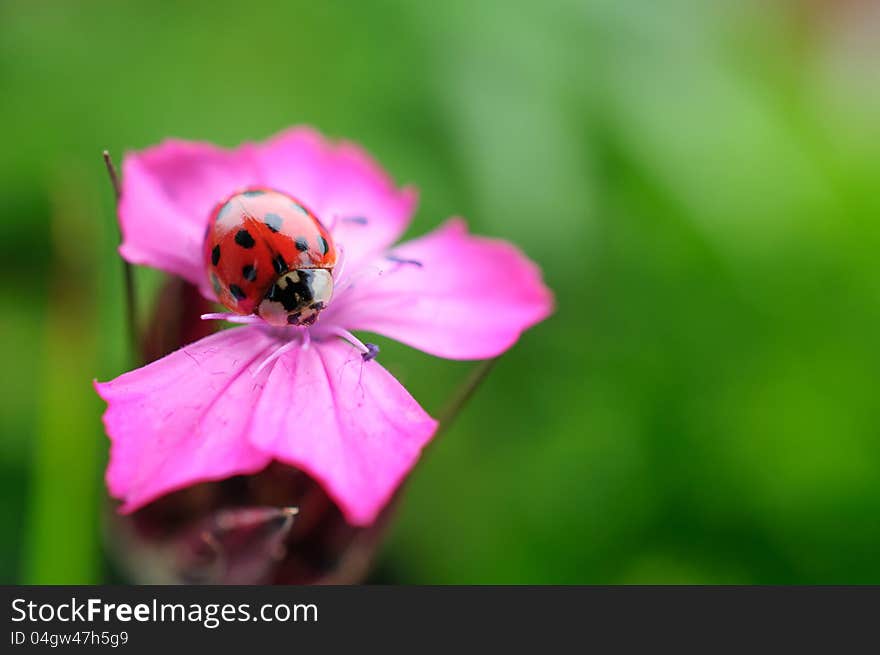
(266, 253)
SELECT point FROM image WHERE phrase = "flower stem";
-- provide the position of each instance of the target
(128, 275)
(463, 394)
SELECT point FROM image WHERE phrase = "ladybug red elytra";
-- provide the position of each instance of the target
(265, 252)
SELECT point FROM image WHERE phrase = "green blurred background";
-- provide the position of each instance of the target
(698, 179)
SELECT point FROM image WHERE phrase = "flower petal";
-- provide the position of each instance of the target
(167, 195)
(184, 418)
(343, 185)
(347, 423)
(448, 293)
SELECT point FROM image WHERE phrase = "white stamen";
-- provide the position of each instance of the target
(348, 336)
(232, 318)
(283, 349)
(340, 265)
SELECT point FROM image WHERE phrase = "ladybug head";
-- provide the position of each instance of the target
(297, 297)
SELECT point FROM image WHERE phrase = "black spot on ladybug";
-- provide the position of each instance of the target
(317, 306)
(293, 319)
(279, 264)
(273, 222)
(249, 273)
(323, 246)
(236, 291)
(253, 193)
(215, 255)
(302, 244)
(244, 239)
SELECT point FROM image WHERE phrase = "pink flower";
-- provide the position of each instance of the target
(311, 397)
